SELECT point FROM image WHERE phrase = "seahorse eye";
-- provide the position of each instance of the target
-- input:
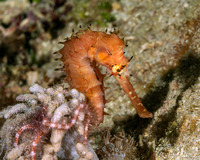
(116, 68)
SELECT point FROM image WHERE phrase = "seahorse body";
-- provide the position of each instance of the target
(82, 54)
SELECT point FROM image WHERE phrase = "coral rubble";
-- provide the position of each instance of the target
(49, 124)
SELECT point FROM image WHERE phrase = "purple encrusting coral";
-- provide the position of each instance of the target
(26, 133)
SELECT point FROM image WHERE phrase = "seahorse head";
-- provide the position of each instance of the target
(109, 53)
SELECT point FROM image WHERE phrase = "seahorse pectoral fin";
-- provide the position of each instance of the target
(129, 90)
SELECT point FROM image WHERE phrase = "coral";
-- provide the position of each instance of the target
(38, 127)
(29, 24)
(116, 147)
(85, 152)
(27, 30)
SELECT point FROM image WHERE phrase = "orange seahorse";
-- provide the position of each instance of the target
(82, 53)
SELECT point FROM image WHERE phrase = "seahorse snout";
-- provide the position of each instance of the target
(129, 90)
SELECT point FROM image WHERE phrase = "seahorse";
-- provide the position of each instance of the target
(82, 54)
